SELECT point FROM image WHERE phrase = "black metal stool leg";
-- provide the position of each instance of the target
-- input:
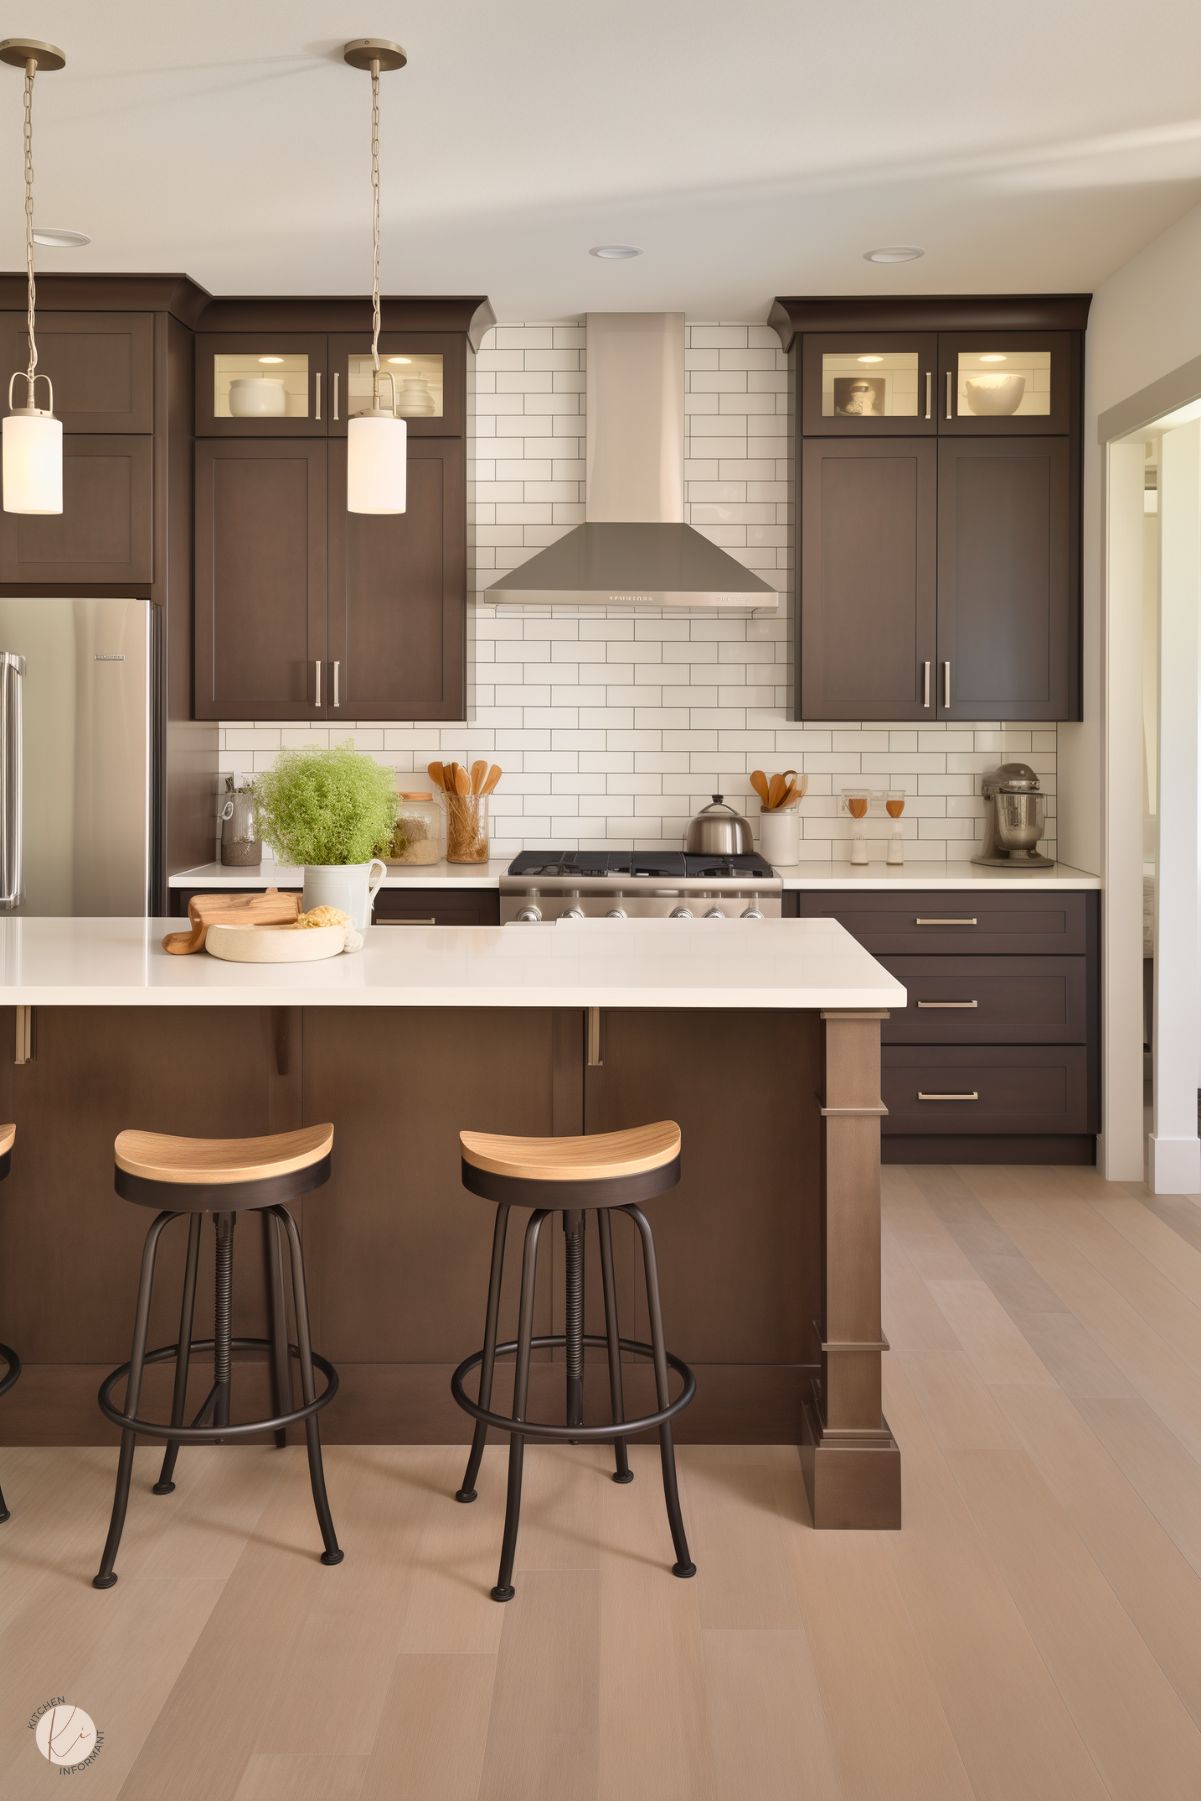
(277, 1326)
(4, 1512)
(573, 1318)
(504, 1590)
(105, 1576)
(223, 1226)
(488, 1363)
(308, 1388)
(165, 1484)
(12, 1368)
(683, 1565)
(623, 1472)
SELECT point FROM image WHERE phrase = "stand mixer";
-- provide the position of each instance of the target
(1016, 816)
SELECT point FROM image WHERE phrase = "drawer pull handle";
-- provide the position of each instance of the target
(946, 919)
(944, 1004)
(973, 1096)
(431, 921)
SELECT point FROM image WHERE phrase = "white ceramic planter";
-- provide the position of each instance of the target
(350, 886)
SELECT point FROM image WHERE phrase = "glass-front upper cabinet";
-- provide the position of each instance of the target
(265, 386)
(997, 384)
(861, 384)
(426, 368)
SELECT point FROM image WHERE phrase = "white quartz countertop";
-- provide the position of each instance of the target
(780, 963)
(813, 876)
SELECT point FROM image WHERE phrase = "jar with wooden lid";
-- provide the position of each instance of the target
(417, 834)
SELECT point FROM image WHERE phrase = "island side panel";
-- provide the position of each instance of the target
(850, 1458)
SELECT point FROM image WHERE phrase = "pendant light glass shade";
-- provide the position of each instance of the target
(32, 462)
(376, 463)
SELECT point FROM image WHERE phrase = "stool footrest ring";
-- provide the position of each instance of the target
(208, 1435)
(603, 1434)
(12, 1363)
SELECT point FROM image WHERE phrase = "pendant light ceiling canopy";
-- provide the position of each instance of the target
(376, 440)
(32, 458)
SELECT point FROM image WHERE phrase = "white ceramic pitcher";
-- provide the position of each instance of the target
(349, 886)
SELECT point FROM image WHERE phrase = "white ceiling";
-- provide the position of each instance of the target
(750, 148)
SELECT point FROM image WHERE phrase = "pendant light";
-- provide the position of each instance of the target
(376, 440)
(32, 469)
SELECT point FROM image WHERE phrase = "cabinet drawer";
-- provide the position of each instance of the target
(987, 1089)
(990, 1000)
(1038, 924)
(437, 906)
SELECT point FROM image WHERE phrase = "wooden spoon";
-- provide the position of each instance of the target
(789, 779)
(437, 774)
(759, 784)
(462, 783)
(479, 770)
(494, 775)
(775, 792)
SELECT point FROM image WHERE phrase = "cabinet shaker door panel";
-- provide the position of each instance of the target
(260, 579)
(867, 557)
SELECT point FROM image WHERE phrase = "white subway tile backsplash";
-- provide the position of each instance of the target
(615, 725)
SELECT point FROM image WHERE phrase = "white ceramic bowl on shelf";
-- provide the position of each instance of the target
(257, 397)
(995, 395)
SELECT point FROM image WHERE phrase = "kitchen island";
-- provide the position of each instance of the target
(762, 1038)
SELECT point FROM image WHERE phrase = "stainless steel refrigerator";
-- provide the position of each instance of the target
(78, 755)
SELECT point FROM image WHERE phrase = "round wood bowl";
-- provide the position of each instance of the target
(275, 944)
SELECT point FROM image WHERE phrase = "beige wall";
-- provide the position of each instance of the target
(1145, 322)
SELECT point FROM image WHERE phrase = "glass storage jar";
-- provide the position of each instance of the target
(466, 828)
(417, 834)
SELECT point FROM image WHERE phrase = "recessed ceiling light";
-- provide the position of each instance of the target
(993, 356)
(893, 253)
(616, 253)
(871, 359)
(271, 359)
(55, 238)
(400, 359)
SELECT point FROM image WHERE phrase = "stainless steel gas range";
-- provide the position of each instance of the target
(543, 886)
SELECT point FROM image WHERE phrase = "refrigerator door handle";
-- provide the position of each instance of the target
(12, 675)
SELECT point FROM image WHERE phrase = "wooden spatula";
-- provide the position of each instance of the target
(759, 784)
(437, 774)
(270, 908)
(494, 775)
(775, 792)
(479, 770)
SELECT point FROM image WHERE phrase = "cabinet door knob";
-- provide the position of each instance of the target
(317, 681)
(317, 395)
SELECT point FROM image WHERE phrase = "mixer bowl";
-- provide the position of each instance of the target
(1019, 820)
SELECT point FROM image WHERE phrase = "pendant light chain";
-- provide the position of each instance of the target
(375, 309)
(31, 280)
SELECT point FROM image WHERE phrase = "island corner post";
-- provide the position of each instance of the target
(850, 1459)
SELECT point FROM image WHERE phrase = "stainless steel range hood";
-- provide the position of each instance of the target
(634, 549)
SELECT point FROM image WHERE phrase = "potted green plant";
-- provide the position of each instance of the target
(330, 811)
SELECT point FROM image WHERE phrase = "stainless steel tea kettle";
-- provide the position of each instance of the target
(718, 830)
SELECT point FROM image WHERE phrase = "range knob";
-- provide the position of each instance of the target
(715, 912)
(617, 913)
(575, 911)
(753, 911)
(680, 913)
(530, 915)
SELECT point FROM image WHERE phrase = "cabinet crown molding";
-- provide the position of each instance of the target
(789, 316)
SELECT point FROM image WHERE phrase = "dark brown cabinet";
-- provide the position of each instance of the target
(269, 383)
(105, 531)
(306, 611)
(101, 365)
(260, 579)
(867, 651)
(938, 507)
(1008, 643)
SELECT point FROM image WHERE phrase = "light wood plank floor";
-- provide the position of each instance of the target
(1033, 1634)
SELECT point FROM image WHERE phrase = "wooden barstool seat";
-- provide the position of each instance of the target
(601, 1169)
(595, 1174)
(224, 1178)
(229, 1172)
(10, 1363)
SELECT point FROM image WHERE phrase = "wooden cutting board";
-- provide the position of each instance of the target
(270, 908)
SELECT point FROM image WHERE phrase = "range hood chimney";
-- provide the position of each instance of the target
(634, 549)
